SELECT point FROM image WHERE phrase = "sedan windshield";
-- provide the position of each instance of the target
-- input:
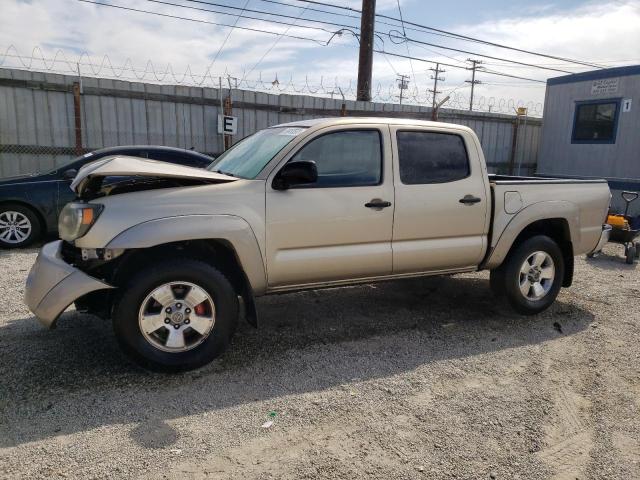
(247, 158)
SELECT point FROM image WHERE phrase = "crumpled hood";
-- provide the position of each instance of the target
(125, 166)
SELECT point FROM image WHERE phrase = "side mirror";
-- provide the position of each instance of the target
(296, 173)
(70, 174)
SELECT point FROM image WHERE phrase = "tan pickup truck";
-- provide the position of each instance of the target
(169, 252)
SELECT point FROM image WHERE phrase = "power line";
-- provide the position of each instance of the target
(413, 73)
(357, 18)
(459, 36)
(261, 12)
(208, 10)
(404, 37)
(483, 55)
(177, 17)
(274, 44)
(225, 41)
(491, 72)
(297, 37)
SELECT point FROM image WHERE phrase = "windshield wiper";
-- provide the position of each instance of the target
(229, 174)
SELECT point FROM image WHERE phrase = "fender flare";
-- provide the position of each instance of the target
(230, 228)
(546, 210)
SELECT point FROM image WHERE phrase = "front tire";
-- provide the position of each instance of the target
(19, 226)
(176, 316)
(531, 275)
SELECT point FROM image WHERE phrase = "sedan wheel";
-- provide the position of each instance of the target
(15, 227)
(19, 226)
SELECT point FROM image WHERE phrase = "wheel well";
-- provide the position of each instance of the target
(217, 253)
(36, 212)
(558, 230)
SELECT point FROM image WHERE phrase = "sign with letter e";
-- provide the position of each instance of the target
(227, 125)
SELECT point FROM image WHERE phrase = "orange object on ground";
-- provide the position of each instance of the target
(618, 221)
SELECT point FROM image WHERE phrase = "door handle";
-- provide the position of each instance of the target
(469, 200)
(377, 203)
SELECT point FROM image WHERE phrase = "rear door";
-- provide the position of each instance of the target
(441, 216)
(332, 230)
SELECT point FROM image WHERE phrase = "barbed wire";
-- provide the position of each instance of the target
(85, 66)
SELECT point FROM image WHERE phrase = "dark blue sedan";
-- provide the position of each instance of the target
(29, 205)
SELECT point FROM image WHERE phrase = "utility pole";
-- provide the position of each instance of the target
(473, 81)
(436, 76)
(365, 61)
(403, 84)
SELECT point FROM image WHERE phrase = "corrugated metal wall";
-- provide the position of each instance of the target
(37, 122)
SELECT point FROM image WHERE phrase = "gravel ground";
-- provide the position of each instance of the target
(428, 378)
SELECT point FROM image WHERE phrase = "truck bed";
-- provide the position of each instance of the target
(518, 180)
(518, 202)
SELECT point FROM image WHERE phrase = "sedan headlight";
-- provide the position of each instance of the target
(76, 219)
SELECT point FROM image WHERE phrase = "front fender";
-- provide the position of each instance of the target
(547, 210)
(230, 228)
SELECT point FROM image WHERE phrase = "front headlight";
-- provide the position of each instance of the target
(76, 219)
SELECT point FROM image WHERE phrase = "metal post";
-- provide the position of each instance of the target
(365, 60)
(221, 111)
(77, 114)
(228, 109)
(514, 145)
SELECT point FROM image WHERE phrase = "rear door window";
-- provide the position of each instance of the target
(431, 157)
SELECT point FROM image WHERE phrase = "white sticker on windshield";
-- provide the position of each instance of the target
(292, 131)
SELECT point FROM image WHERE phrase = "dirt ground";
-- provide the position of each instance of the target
(418, 379)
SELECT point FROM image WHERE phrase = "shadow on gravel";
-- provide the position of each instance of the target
(606, 261)
(74, 378)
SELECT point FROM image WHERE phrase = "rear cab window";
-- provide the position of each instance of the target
(431, 157)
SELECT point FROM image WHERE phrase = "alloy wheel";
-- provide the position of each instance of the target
(177, 316)
(15, 227)
(537, 274)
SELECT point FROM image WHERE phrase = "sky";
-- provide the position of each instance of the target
(133, 45)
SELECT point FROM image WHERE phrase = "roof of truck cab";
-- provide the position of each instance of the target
(319, 122)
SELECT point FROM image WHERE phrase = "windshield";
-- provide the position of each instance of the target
(69, 163)
(247, 158)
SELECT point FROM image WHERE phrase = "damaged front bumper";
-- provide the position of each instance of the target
(53, 284)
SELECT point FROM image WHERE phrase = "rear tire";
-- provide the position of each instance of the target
(632, 253)
(531, 275)
(175, 316)
(19, 226)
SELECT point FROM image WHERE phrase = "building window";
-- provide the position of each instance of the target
(596, 122)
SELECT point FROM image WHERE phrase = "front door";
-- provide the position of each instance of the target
(441, 217)
(338, 228)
